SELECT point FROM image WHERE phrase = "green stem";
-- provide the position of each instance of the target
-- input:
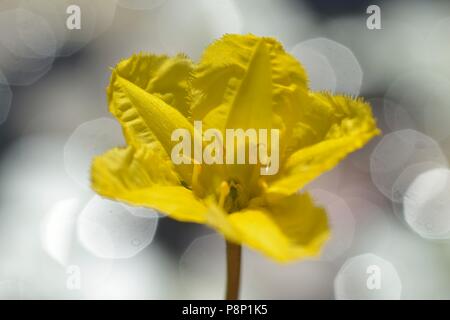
(233, 270)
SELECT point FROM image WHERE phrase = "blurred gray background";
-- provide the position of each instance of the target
(388, 204)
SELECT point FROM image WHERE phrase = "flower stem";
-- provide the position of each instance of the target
(233, 270)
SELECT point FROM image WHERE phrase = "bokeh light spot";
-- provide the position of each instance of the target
(426, 204)
(344, 63)
(398, 150)
(108, 230)
(58, 229)
(90, 139)
(342, 223)
(368, 277)
(320, 73)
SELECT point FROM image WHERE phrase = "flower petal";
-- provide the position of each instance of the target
(168, 78)
(334, 127)
(245, 83)
(140, 90)
(248, 82)
(287, 229)
(142, 178)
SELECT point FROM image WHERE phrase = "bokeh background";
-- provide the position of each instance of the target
(388, 204)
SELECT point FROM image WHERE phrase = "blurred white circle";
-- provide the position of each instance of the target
(95, 17)
(189, 26)
(344, 63)
(402, 44)
(397, 151)
(342, 223)
(425, 99)
(58, 229)
(404, 181)
(396, 116)
(26, 34)
(426, 204)
(107, 230)
(408, 175)
(54, 12)
(5, 98)
(140, 4)
(143, 212)
(27, 46)
(320, 73)
(21, 71)
(90, 139)
(367, 277)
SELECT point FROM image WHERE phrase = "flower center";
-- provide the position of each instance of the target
(232, 196)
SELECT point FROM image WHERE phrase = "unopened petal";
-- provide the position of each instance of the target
(139, 94)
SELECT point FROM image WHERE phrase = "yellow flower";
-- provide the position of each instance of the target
(240, 82)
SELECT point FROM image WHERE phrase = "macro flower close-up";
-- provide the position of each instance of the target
(241, 82)
(249, 151)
